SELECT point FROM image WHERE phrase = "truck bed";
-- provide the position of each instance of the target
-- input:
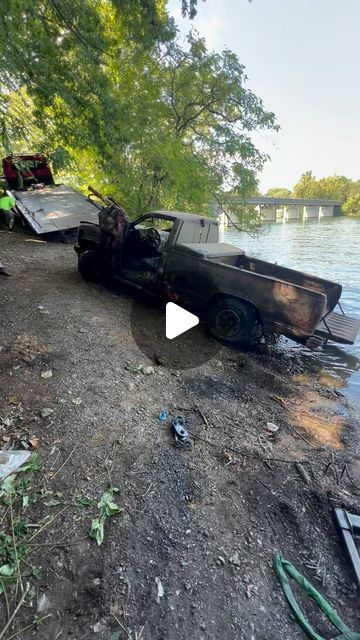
(54, 208)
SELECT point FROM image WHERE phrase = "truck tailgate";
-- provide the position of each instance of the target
(338, 328)
(54, 208)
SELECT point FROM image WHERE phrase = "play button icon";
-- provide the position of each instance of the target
(154, 327)
(178, 320)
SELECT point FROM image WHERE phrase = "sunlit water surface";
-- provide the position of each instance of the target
(329, 248)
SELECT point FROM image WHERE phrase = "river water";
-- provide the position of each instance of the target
(329, 248)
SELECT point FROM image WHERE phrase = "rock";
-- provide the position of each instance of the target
(220, 561)
(46, 374)
(187, 586)
(235, 559)
(273, 428)
(147, 371)
(46, 412)
(76, 401)
(99, 627)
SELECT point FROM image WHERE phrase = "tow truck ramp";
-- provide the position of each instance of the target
(54, 208)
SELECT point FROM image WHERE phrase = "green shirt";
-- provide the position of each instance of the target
(6, 202)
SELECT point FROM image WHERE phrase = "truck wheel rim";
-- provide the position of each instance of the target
(228, 323)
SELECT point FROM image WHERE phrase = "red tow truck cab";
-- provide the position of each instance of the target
(38, 170)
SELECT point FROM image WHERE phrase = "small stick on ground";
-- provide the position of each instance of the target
(14, 613)
(251, 456)
(303, 438)
(15, 552)
(120, 625)
(14, 635)
(351, 480)
(303, 473)
(47, 523)
(66, 461)
(205, 420)
(6, 598)
(147, 490)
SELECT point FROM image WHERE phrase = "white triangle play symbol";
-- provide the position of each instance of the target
(178, 320)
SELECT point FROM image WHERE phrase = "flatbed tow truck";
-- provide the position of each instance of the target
(42, 205)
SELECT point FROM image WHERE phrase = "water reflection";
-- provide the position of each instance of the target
(329, 248)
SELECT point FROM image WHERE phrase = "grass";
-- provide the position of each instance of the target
(16, 493)
(19, 537)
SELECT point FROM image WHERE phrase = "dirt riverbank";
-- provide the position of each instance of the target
(190, 555)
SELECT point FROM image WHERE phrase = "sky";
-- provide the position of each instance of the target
(302, 58)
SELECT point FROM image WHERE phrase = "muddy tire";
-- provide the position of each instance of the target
(232, 322)
(89, 265)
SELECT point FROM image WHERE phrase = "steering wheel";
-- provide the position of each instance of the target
(153, 238)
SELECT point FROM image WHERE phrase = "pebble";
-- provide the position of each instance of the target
(220, 561)
(147, 371)
(235, 560)
(46, 374)
(272, 427)
(46, 412)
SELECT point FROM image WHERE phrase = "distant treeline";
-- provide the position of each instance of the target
(333, 188)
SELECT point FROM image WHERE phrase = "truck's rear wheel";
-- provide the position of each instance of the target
(89, 265)
(231, 321)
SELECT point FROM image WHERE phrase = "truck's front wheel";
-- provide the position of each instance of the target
(231, 321)
(89, 265)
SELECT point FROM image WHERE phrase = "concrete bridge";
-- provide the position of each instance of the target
(273, 209)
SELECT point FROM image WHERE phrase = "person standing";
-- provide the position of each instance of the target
(7, 202)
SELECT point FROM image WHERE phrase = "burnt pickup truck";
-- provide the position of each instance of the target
(178, 257)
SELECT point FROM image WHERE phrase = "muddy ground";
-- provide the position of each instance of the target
(201, 525)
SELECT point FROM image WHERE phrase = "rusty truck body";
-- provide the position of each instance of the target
(178, 256)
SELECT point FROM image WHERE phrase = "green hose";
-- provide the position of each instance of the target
(282, 567)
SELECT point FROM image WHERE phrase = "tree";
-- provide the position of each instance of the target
(352, 205)
(306, 187)
(109, 88)
(278, 192)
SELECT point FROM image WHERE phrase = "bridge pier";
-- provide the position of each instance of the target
(326, 211)
(311, 212)
(292, 212)
(267, 214)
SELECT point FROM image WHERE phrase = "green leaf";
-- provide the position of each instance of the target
(97, 530)
(7, 570)
(25, 502)
(83, 502)
(7, 486)
(106, 505)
